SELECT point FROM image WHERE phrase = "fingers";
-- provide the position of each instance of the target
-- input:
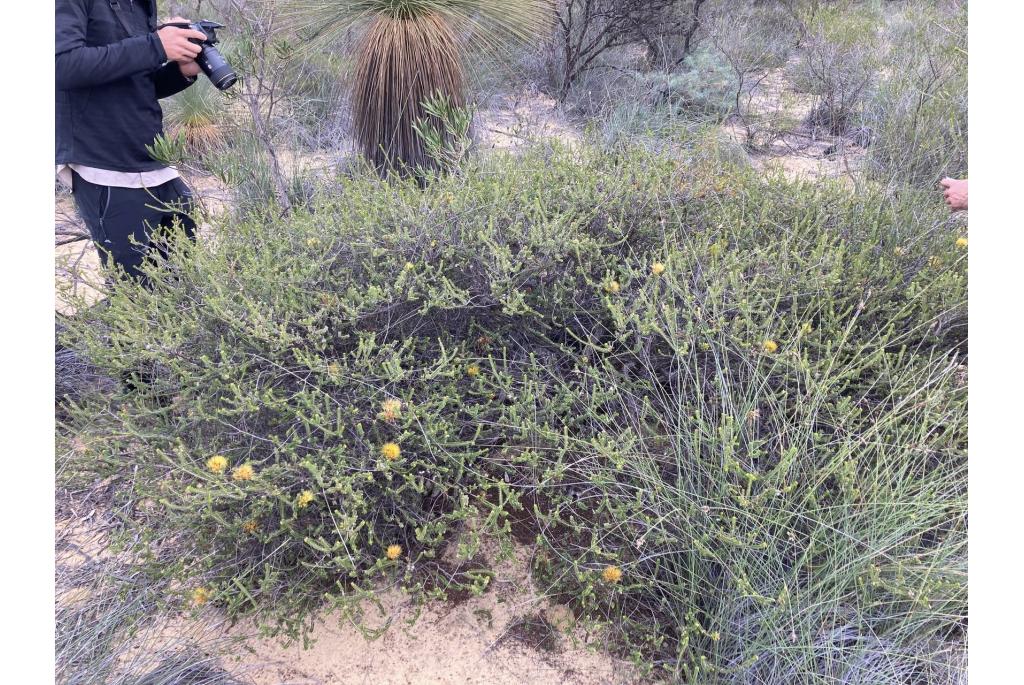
(190, 50)
(198, 35)
(946, 182)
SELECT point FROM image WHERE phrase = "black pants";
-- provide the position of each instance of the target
(126, 224)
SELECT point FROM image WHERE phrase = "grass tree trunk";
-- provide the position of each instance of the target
(402, 61)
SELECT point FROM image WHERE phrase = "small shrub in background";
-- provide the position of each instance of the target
(838, 64)
(918, 117)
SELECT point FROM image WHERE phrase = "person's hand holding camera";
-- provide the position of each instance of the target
(178, 46)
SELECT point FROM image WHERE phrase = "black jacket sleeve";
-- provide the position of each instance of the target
(169, 80)
(82, 66)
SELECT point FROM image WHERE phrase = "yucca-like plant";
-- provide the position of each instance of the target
(408, 51)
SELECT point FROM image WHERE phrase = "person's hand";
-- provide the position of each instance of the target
(955, 193)
(189, 69)
(177, 45)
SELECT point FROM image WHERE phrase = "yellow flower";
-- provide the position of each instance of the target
(657, 268)
(409, 266)
(612, 574)
(806, 328)
(473, 371)
(244, 472)
(313, 242)
(390, 410)
(770, 346)
(217, 463)
(961, 242)
(613, 287)
(305, 499)
(200, 596)
(249, 527)
(934, 261)
(394, 551)
(898, 251)
(390, 451)
(334, 369)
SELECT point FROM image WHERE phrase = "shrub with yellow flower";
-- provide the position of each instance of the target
(390, 410)
(333, 369)
(390, 451)
(473, 371)
(305, 499)
(961, 242)
(611, 574)
(770, 346)
(217, 463)
(200, 596)
(394, 551)
(657, 268)
(244, 472)
(249, 527)
(612, 287)
(807, 328)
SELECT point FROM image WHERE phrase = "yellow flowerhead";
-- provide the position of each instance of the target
(473, 371)
(390, 451)
(409, 266)
(390, 410)
(394, 551)
(613, 287)
(657, 268)
(770, 346)
(334, 369)
(244, 472)
(961, 242)
(217, 463)
(200, 596)
(934, 261)
(806, 328)
(313, 242)
(305, 499)
(249, 527)
(612, 574)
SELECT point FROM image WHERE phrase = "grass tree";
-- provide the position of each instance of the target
(408, 51)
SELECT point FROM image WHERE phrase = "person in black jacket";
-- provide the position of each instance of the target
(113, 65)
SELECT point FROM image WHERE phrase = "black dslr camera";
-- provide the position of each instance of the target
(210, 60)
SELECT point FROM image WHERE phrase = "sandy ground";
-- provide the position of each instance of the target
(466, 643)
(444, 643)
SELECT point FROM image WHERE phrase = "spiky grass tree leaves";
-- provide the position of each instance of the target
(408, 51)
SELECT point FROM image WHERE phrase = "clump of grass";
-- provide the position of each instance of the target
(196, 115)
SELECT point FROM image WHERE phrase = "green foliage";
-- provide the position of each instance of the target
(703, 87)
(919, 115)
(445, 132)
(838, 64)
(578, 342)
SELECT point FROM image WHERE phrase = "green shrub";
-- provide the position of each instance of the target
(918, 117)
(838, 65)
(578, 343)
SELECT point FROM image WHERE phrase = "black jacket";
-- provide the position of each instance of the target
(111, 72)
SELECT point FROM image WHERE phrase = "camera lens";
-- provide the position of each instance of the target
(217, 68)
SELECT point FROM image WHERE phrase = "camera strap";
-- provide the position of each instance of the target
(119, 11)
